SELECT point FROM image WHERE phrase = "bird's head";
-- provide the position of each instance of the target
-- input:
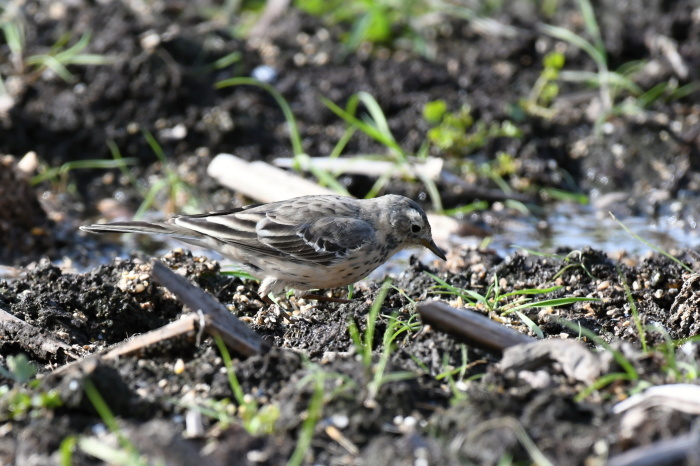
(410, 224)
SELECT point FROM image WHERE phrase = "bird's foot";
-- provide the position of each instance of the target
(327, 299)
(284, 311)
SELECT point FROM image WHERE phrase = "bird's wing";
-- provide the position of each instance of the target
(305, 232)
(320, 241)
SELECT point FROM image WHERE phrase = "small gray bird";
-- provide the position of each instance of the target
(309, 242)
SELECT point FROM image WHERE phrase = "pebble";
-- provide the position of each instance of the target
(264, 73)
(179, 367)
(194, 426)
(340, 421)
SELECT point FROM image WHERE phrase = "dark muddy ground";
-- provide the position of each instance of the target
(442, 401)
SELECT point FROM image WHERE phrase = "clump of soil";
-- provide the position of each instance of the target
(314, 358)
(25, 229)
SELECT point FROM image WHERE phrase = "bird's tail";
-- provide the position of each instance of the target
(129, 227)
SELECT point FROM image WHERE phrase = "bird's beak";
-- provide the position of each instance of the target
(433, 247)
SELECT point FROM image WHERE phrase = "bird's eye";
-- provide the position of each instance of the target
(415, 228)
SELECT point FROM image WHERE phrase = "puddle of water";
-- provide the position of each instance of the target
(574, 226)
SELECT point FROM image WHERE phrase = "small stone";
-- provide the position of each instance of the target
(179, 367)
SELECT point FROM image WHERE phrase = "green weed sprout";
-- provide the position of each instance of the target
(460, 371)
(256, 419)
(494, 301)
(394, 329)
(629, 372)
(679, 370)
(19, 402)
(569, 259)
(652, 246)
(313, 416)
(610, 82)
(371, 20)
(301, 159)
(126, 454)
(458, 133)
(376, 126)
(521, 434)
(12, 24)
(59, 58)
(364, 348)
(596, 50)
(320, 396)
(633, 307)
(18, 369)
(545, 89)
(58, 176)
(172, 183)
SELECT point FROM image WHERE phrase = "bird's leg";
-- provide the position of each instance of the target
(318, 297)
(267, 294)
(327, 299)
(271, 299)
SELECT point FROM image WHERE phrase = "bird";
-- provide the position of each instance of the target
(301, 244)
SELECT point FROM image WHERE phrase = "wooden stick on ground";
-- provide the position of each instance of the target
(217, 319)
(473, 327)
(186, 325)
(34, 340)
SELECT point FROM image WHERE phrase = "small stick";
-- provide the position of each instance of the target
(184, 326)
(237, 335)
(473, 327)
(13, 325)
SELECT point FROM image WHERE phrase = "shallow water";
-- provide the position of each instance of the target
(573, 226)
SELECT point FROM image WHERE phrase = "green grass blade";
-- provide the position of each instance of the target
(531, 291)
(467, 209)
(372, 322)
(652, 246)
(375, 111)
(550, 303)
(81, 164)
(294, 135)
(531, 325)
(75, 49)
(323, 176)
(633, 308)
(363, 126)
(620, 358)
(601, 382)
(575, 40)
